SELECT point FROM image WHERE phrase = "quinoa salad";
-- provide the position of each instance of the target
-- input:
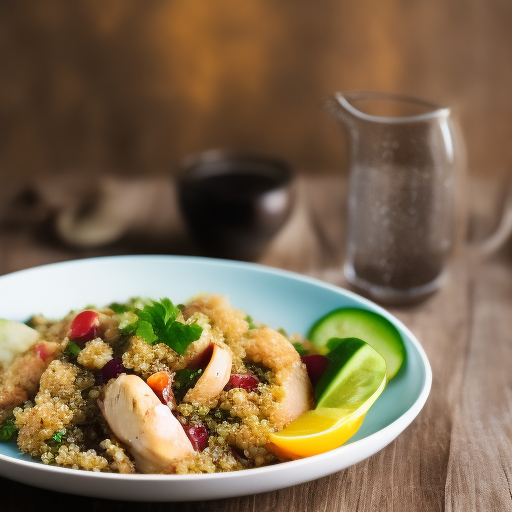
(151, 387)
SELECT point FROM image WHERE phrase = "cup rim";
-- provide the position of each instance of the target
(345, 98)
(198, 165)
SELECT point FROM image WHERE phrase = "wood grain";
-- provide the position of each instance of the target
(456, 456)
(132, 86)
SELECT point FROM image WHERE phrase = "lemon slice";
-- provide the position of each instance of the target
(354, 379)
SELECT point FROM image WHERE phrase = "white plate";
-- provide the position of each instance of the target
(277, 298)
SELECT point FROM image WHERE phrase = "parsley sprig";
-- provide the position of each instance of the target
(7, 430)
(156, 323)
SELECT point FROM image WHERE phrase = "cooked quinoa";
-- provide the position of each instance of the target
(60, 417)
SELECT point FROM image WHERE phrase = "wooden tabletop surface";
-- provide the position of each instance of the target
(456, 455)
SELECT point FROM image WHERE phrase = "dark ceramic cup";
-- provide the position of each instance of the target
(234, 203)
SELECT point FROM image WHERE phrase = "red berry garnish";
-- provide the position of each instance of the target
(315, 365)
(84, 327)
(198, 436)
(244, 381)
(112, 369)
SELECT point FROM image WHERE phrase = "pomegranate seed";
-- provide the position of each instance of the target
(112, 369)
(84, 327)
(244, 381)
(315, 365)
(198, 436)
(201, 361)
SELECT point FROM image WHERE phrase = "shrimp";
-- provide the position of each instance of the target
(270, 348)
(136, 416)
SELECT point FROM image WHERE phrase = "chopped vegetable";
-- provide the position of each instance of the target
(156, 323)
(184, 380)
(72, 349)
(243, 381)
(118, 309)
(112, 369)
(84, 327)
(57, 438)
(198, 436)
(158, 382)
(250, 321)
(7, 430)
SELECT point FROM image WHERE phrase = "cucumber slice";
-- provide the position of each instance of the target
(376, 330)
(15, 338)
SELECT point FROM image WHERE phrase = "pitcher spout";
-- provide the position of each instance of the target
(336, 107)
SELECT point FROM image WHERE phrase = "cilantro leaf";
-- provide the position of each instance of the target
(183, 335)
(7, 431)
(156, 323)
(145, 330)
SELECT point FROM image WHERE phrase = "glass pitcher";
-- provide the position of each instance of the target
(401, 204)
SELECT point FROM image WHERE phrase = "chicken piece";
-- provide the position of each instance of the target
(153, 435)
(214, 378)
(20, 379)
(270, 348)
(221, 314)
(196, 348)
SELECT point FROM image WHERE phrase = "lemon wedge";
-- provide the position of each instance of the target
(353, 380)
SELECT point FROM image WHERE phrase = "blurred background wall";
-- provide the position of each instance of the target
(131, 86)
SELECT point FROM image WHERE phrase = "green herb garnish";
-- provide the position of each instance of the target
(156, 323)
(250, 321)
(56, 439)
(72, 349)
(300, 349)
(7, 431)
(184, 380)
(119, 308)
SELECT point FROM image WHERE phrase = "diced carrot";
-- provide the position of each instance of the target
(158, 382)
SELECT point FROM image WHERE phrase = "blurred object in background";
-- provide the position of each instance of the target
(405, 167)
(131, 86)
(84, 213)
(235, 203)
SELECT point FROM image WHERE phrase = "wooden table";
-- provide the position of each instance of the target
(456, 456)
